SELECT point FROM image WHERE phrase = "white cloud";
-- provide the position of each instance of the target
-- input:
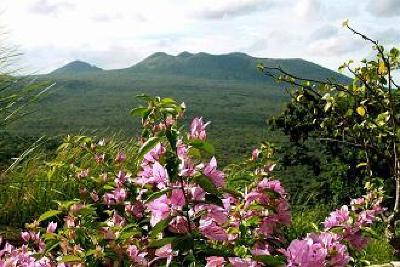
(308, 9)
(119, 33)
(384, 7)
(231, 8)
(47, 7)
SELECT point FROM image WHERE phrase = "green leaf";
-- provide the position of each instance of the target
(205, 183)
(361, 164)
(182, 243)
(71, 258)
(203, 145)
(159, 227)
(147, 146)
(361, 111)
(157, 195)
(138, 111)
(232, 192)
(48, 214)
(214, 199)
(157, 243)
(168, 100)
(145, 97)
(270, 260)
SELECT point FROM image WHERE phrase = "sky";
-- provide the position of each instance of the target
(119, 33)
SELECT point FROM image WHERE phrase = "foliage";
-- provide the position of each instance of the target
(358, 122)
(168, 206)
(16, 93)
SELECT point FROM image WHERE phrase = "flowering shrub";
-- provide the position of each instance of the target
(170, 207)
(345, 232)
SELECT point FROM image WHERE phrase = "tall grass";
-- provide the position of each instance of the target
(34, 184)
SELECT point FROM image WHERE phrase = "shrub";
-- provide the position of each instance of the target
(166, 204)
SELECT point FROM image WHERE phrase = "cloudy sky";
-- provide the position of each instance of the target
(120, 33)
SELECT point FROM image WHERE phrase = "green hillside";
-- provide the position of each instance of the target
(226, 89)
(233, 66)
(76, 67)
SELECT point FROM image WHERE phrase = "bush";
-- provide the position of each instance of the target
(163, 202)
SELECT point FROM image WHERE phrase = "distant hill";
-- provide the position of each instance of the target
(233, 66)
(225, 89)
(76, 67)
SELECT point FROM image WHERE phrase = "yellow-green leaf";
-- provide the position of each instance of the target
(48, 214)
(382, 68)
(361, 111)
(71, 258)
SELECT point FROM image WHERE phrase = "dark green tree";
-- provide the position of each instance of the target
(358, 122)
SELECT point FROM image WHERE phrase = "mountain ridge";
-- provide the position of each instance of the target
(230, 66)
(76, 66)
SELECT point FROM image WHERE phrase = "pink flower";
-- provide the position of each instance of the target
(166, 252)
(179, 225)
(69, 221)
(260, 248)
(25, 236)
(94, 196)
(122, 177)
(356, 203)
(119, 194)
(154, 154)
(136, 256)
(187, 168)
(274, 185)
(34, 236)
(181, 150)
(177, 199)
(211, 230)
(317, 250)
(82, 173)
(117, 220)
(108, 199)
(198, 129)
(197, 193)
(51, 227)
(214, 213)
(159, 209)
(120, 157)
(76, 207)
(136, 209)
(215, 261)
(238, 262)
(99, 158)
(159, 175)
(108, 233)
(337, 217)
(254, 154)
(154, 174)
(305, 253)
(216, 176)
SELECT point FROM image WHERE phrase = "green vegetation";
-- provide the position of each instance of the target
(333, 136)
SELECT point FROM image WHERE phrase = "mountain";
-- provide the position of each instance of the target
(232, 66)
(225, 89)
(76, 67)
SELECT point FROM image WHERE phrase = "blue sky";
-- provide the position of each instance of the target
(120, 33)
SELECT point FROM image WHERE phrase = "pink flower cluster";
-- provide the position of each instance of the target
(330, 249)
(317, 250)
(198, 129)
(26, 254)
(127, 215)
